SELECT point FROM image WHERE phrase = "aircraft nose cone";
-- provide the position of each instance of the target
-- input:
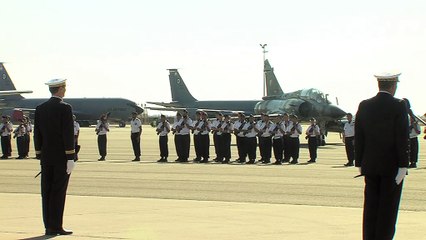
(138, 109)
(335, 112)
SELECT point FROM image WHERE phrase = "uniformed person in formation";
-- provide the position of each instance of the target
(225, 148)
(239, 134)
(175, 127)
(277, 140)
(294, 130)
(286, 144)
(196, 134)
(250, 140)
(102, 128)
(348, 139)
(76, 135)
(264, 128)
(135, 136)
(6, 129)
(217, 136)
(54, 146)
(19, 133)
(29, 127)
(163, 129)
(414, 130)
(183, 139)
(312, 134)
(203, 128)
(381, 153)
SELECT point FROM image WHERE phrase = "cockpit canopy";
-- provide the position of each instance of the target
(314, 95)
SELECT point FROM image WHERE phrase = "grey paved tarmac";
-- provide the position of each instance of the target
(120, 199)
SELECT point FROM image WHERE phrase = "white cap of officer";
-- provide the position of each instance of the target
(387, 77)
(57, 82)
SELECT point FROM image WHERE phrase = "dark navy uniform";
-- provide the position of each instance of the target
(54, 145)
(381, 150)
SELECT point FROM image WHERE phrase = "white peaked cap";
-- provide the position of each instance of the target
(57, 82)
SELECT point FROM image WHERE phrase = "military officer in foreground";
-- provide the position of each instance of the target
(54, 146)
(381, 153)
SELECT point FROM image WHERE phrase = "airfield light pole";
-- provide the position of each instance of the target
(263, 46)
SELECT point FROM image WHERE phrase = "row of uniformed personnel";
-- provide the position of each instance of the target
(280, 135)
(21, 133)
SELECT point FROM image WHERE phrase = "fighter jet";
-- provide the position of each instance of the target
(306, 103)
(87, 110)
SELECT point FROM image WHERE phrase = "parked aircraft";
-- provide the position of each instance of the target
(183, 99)
(87, 110)
(305, 103)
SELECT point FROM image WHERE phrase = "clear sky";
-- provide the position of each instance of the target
(123, 48)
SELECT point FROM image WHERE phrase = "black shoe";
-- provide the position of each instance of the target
(205, 160)
(226, 161)
(349, 164)
(266, 161)
(54, 232)
(277, 162)
(412, 165)
(311, 161)
(3, 157)
(251, 161)
(137, 159)
(19, 157)
(101, 159)
(242, 161)
(196, 159)
(184, 160)
(293, 162)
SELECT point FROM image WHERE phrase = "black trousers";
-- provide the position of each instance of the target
(278, 148)
(286, 148)
(182, 146)
(6, 147)
(216, 143)
(224, 146)
(21, 145)
(294, 147)
(27, 141)
(164, 146)
(197, 146)
(204, 141)
(240, 148)
(313, 146)
(102, 145)
(251, 147)
(381, 203)
(350, 149)
(136, 144)
(414, 150)
(265, 147)
(54, 184)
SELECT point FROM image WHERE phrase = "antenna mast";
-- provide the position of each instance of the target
(263, 46)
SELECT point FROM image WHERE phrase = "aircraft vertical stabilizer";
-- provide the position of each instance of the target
(273, 88)
(6, 83)
(180, 92)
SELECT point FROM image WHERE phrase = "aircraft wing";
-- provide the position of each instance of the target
(166, 105)
(13, 92)
(210, 112)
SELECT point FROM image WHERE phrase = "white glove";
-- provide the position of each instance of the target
(70, 166)
(400, 176)
(359, 170)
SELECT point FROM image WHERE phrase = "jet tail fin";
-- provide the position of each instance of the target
(6, 83)
(180, 92)
(273, 88)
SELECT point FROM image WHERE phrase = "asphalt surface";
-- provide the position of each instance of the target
(121, 199)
